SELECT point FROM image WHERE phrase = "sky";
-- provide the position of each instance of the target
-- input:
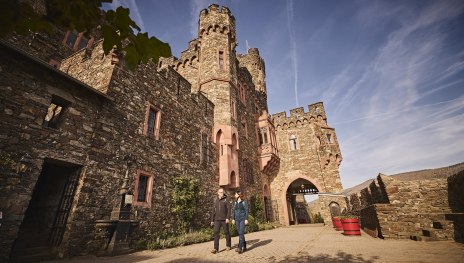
(390, 73)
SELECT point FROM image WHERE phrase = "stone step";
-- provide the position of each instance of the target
(422, 238)
(438, 234)
(32, 254)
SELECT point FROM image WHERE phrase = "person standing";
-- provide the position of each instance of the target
(220, 218)
(240, 217)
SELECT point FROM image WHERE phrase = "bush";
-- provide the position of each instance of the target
(318, 218)
(168, 240)
(203, 235)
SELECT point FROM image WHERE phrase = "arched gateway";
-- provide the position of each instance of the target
(309, 165)
(296, 206)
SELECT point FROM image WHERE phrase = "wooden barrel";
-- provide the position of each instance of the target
(351, 227)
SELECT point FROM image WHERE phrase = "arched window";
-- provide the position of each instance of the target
(334, 209)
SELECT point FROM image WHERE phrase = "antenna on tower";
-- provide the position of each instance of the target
(247, 46)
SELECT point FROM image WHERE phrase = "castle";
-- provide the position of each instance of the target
(76, 124)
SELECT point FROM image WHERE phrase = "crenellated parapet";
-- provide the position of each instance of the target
(325, 138)
(219, 20)
(298, 116)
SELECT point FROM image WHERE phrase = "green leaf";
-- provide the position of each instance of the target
(110, 39)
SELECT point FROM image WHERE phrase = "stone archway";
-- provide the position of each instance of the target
(293, 213)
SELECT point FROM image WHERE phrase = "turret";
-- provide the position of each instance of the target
(217, 42)
(255, 65)
(217, 79)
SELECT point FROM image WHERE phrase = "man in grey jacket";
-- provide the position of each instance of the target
(220, 218)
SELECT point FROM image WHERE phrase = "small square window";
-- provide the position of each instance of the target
(55, 112)
(143, 189)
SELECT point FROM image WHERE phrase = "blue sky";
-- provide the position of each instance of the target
(390, 73)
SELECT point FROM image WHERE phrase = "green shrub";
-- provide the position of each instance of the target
(185, 197)
(318, 218)
(169, 239)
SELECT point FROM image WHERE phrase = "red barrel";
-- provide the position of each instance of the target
(351, 227)
(337, 223)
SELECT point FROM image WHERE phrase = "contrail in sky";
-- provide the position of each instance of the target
(293, 57)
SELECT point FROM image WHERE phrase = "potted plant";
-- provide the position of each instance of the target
(350, 225)
(337, 223)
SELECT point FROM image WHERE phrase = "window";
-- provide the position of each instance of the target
(329, 139)
(293, 145)
(75, 40)
(262, 136)
(55, 112)
(204, 148)
(152, 121)
(221, 59)
(244, 128)
(71, 38)
(232, 110)
(143, 189)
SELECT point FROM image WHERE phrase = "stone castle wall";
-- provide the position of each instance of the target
(96, 133)
(405, 206)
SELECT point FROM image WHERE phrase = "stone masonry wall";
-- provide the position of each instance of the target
(315, 158)
(401, 208)
(26, 91)
(96, 133)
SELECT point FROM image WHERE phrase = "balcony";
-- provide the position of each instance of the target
(268, 158)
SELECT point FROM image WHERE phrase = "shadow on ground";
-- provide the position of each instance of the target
(302, 257)
(340, 257)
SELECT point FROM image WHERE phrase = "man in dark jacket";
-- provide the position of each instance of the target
(220, 218)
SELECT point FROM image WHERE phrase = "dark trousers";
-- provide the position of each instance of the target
(217, 227)
(241, 233)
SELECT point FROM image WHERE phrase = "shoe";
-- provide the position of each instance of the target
(228, 248)
(237, 250)
(214, 251)
(240, 251)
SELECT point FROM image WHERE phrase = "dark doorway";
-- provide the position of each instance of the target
(334, 209)
(296, 204)
(45, 218)
(267, 209)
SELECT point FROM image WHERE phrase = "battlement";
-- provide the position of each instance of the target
(315, 112)
(216, 19)
(215, 9)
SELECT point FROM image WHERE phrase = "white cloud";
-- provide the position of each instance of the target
(293, 52)
(395, 130)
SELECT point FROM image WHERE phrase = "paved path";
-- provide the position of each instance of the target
(304, 243)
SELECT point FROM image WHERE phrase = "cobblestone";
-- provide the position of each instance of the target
(304, 243)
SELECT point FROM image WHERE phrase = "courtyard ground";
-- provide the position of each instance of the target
(303, 243)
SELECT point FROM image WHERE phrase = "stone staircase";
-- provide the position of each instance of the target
(443, 227)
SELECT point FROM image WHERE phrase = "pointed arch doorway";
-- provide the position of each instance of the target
(295, 201)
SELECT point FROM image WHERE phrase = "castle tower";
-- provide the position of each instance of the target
(255, 65)
(310, 158)
(217, 79)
